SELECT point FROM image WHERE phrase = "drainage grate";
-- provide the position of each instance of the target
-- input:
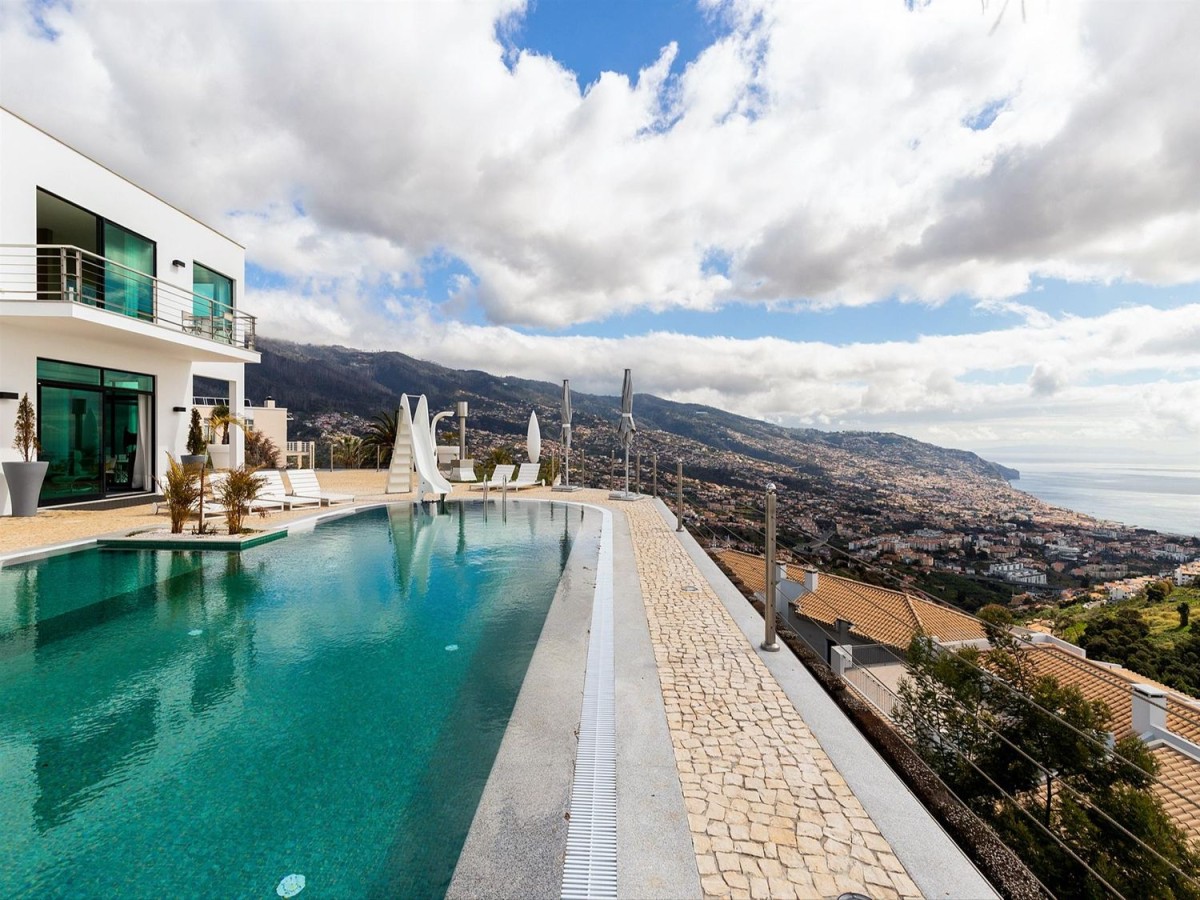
(590, 868)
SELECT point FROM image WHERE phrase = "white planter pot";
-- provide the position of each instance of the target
(24, 484)
(220, 455)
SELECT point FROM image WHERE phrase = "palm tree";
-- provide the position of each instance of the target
(381, 434)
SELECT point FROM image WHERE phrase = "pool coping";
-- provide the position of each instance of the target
(189, 542)
(516, 844)
(654, 852)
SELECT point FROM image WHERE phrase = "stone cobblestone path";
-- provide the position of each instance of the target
(769, 814)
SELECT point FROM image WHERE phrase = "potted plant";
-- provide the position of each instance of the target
(195, 443)
(25, 477)
(220, 451)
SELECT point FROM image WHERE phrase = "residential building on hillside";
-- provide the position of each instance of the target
(862, 631)
(269, 419)
(829, 610)
(111, 301)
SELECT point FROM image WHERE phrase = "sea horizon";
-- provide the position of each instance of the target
(1163, 497)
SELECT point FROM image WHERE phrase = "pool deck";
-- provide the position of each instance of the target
(737, 777)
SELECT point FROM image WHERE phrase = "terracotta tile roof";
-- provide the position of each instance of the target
(1179, 773)
(878, 614)
(1115, 686)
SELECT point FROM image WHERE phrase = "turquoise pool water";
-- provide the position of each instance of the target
(187, 724)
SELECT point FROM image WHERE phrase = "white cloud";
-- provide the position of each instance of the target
(822, 147)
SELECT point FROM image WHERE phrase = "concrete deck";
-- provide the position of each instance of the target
(737, 776)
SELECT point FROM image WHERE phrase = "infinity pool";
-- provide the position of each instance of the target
(204, 724)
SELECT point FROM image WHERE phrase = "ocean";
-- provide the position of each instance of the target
(1165, 498)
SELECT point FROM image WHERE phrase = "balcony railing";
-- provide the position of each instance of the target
(57, 273)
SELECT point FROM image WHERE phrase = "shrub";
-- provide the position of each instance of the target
(236, 492)
(26, 440)
(181, 490)
(195, 437)
(261, 452)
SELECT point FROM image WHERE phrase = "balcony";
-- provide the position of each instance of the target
(56, 273)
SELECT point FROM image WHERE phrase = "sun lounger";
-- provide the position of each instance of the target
(501, 474)
(208, 508)
(263, 503)
(527, 477)
(305, 485)
(274, 491)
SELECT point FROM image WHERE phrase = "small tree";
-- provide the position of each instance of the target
(26, 440)
(195, 437)
(1185, 611)
(181, 490)
(261, 452)
(348, 450)
(221, 419)
(236, 492)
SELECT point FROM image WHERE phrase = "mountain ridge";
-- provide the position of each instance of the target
(319, 381)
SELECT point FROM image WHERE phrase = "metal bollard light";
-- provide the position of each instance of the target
(769, 642)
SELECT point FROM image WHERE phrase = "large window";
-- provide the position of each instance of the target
(128, 287)
(96, 429)
(214, 292)
(112, 268)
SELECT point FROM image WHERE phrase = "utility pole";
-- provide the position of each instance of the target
(769, 643)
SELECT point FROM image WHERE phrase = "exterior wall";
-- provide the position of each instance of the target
(21, 347)
(31, 159)
(269, 420)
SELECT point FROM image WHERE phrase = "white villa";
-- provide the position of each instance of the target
(111, 300)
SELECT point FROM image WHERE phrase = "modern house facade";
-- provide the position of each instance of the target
(111, 301)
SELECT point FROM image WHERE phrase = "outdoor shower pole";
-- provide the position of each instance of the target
(769, 642)
(460, 409)
(679, 495)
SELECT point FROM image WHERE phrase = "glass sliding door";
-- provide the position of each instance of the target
(96, 428)
(69, 420)
(128, 288)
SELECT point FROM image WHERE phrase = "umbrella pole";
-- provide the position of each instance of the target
(626, 470)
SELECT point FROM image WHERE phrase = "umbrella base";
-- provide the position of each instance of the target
(566, 487)
(625, 495)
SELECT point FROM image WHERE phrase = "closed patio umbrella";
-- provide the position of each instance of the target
(627, 427)
(533, 438)
(566, 431)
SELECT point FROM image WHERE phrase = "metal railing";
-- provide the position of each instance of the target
(874, 691)
(58, 273)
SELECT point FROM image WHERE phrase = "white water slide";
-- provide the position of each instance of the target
(424, 455)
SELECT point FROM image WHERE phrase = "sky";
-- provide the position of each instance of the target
(977, 224)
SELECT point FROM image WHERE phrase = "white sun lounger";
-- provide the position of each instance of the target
(263, 503)
(274, 491)
(208, 507)
(527, 477)
(499, 476)
(305, 485)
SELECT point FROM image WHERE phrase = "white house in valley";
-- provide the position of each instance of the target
(111, 301)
